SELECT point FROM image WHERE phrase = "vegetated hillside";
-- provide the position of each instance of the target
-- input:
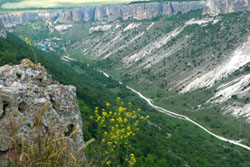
(164, 142)
(166, 56)
(177, 54)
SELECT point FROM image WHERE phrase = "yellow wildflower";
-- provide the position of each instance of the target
(104, 114)
(120, 109)
(98, 118)
(119, 119)
(108, 162)
(125, 120)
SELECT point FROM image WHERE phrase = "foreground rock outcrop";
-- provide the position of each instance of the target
(226, 6)
(103, 13)
(25, 90)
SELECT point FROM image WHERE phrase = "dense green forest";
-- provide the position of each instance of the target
(165, 142)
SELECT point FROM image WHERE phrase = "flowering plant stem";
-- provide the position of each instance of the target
(34, 53)
(30, 45)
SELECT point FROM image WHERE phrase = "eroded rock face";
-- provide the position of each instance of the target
(25, 90)
(2, 30)
(226, 6)
(103, 13)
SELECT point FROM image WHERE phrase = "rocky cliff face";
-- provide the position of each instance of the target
(24, 90)
(104, 13)
(2, 30)
(135, 11)
(226, 6)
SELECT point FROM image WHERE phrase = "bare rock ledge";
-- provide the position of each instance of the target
(24, 90)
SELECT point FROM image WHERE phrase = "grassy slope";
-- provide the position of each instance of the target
(188, 144)
(220, 40)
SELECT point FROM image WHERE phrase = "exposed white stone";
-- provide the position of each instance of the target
(62, 27)
(148, 48)
(100, 28)
(234, 87)
(131, 26)
(202, 22)
(151, 25)
(239, 58)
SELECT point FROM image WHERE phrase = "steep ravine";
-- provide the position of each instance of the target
(182, 117)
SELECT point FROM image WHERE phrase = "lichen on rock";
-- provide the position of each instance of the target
(25, 90)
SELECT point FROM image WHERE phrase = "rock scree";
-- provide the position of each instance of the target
(24, 91)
